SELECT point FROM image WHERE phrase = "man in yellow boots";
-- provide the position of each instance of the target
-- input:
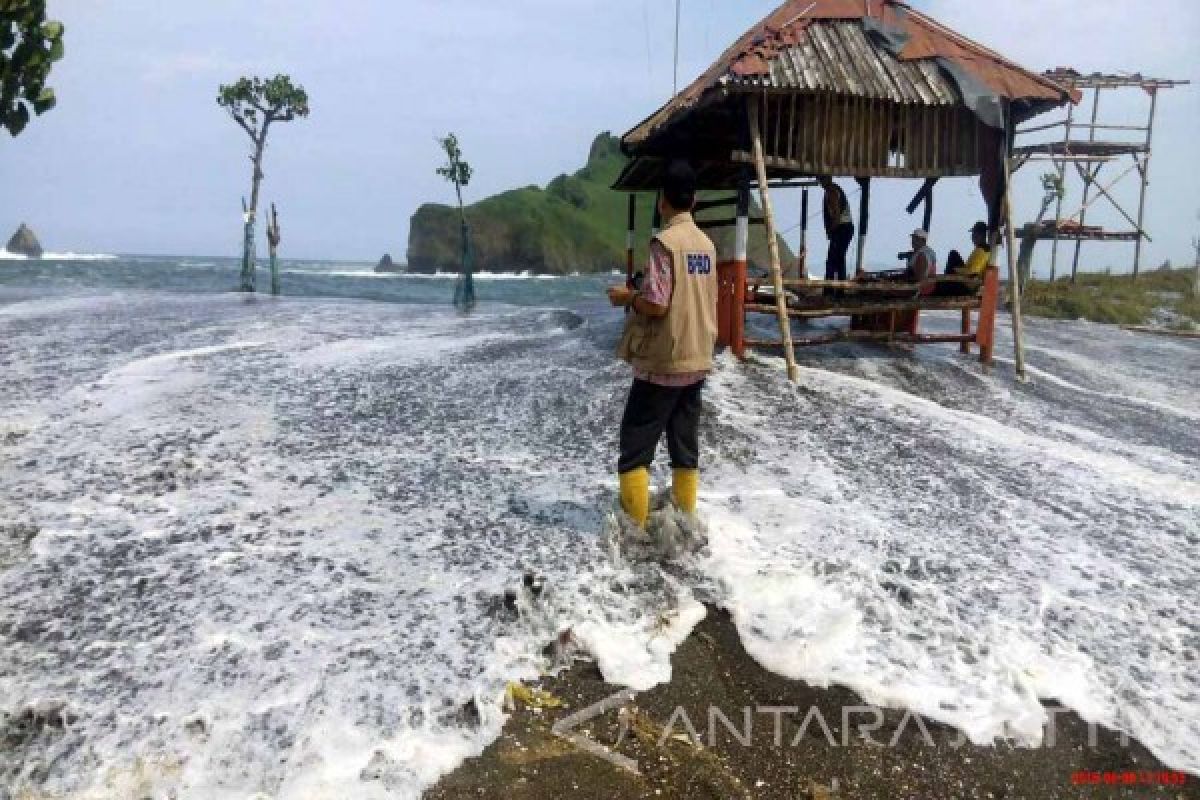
(668, 339)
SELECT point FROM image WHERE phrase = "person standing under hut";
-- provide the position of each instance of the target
(839, 227)
(669, 337)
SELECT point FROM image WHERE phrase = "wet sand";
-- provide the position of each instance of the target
(783, 756)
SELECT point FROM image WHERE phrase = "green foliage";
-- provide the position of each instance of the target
(1052, 185)
(1115, 299)
(29, 46)
(570, 190)
(455, 169)
(576, 224)
(254, 103)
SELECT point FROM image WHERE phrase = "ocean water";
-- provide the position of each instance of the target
(255, 546)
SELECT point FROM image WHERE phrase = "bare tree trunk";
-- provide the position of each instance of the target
(248, 259)
(1025, 255)
(1196, 269)
(273, 238)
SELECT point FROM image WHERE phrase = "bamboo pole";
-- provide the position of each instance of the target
(1014, 276)
(760, 166)
(1145, 173)
(1087, 185)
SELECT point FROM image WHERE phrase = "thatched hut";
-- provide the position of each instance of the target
(857, 88)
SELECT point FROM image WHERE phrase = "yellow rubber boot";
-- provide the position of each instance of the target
(685, 485)
(635, 494)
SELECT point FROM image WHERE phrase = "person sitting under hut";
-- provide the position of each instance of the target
(977, 263)
(922, 261)
(974, 267)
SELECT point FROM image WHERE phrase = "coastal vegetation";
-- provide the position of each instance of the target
(1162, 297)
(576, 223)
(254, 104)
(29, 46)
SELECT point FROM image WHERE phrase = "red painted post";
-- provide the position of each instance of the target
(724, 304)
(985, 332)
(741, 258)
(731, 306)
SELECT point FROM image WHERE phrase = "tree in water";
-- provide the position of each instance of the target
(29, 46)
(254, 105)
(459, 173)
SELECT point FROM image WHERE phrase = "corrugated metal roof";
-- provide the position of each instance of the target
(824, 45)
(837, 56)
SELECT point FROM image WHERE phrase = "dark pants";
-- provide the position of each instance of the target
(839, 243)
(652, 409)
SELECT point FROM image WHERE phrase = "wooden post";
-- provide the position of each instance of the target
(273, 239)
(1145, 173)
(1087, 184)
(927, 217)
(804, 234)
(760, 166)
(1014, 276)
(864, 221)
(629, 239)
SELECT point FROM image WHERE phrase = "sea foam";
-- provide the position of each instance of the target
(271, 542)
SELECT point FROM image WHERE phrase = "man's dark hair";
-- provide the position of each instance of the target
(679, 185)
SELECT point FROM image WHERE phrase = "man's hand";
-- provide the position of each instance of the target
(621, 296)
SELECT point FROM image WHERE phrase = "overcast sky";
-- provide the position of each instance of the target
(137, 158)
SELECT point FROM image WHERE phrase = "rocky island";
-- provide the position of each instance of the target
(25, 243)
(386, 264)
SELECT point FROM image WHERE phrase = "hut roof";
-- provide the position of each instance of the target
(878, 49)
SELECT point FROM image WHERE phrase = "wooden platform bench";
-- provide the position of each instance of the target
(878, 310)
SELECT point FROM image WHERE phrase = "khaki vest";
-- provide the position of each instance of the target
(683, 340)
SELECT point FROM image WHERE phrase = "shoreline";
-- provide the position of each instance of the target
(763, 736)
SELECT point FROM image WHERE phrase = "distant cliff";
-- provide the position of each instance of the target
(575, 224)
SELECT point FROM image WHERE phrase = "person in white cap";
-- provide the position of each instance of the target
(922, 261)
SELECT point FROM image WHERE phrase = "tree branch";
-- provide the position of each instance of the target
(244, 125)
